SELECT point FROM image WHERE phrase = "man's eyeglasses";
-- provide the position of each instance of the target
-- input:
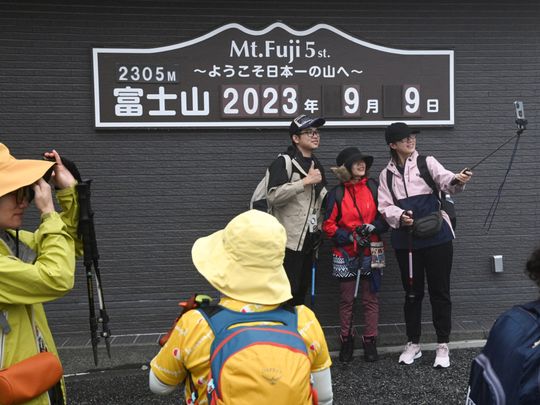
(411, 137)
(312, 133)
(24, 193)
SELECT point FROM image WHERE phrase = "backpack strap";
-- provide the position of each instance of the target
(288, 165)
(338, 198)
(421, 162)
(373, 186)
(389, 178)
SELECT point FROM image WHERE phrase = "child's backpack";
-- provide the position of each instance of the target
(258, 364)
(259, 199)
(508, 369)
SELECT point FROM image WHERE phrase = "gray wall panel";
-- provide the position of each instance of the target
(156, 191)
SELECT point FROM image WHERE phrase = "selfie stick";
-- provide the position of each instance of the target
(522, 126)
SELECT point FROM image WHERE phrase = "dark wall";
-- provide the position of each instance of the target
(156, 191)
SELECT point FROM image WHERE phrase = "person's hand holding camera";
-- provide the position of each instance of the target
(61, 176)
(366, 229)
(43, 197)
(362, 238)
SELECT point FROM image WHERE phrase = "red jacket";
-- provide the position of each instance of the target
(358, 207)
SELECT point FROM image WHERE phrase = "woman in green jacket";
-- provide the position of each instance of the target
(35, 267)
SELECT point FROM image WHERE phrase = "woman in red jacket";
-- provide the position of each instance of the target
(353, 223)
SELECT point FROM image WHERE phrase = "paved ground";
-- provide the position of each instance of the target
(123, 380)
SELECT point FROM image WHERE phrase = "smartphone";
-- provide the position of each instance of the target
(520, 112)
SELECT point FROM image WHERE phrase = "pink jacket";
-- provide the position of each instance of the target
(412, 191)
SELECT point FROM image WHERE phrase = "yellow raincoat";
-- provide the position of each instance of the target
(24, 287)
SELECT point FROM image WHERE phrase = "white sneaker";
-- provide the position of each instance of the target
(410, 354)
(442, 357)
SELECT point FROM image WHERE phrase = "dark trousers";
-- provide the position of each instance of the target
(433, 264)
(298, 268)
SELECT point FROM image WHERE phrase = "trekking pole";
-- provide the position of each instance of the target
(313, 271)
(410, 294)
(86, 232)
(354, 299)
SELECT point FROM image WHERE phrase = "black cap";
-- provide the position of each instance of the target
(397, 131)
(352, 154)
(302, 122)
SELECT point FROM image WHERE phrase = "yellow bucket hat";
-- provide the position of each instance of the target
(17, 173)
(244, 261)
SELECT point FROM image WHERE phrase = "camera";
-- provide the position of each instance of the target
(520, 116)
(362, 236)
(520, 112)
(362, 231)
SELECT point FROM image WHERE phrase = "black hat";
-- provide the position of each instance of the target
(350, 155)
(302, 122)
(398, 131)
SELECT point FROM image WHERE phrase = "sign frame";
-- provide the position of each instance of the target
(274, 123)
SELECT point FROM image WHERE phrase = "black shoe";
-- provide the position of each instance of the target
(347, 348)
(370, 349)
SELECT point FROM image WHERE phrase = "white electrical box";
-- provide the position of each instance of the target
(498, 264)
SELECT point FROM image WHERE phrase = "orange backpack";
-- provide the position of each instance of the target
(262, 363)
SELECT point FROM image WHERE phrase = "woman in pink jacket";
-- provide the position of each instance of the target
(406, 198)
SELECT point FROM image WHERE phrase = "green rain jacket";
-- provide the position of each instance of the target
(25, 287)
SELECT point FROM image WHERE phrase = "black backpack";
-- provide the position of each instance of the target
(447, 204)
(508, 369)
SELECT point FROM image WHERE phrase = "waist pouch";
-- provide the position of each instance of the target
(428, 226)
(29, 378)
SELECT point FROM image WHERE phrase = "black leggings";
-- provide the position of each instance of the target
(433, 263)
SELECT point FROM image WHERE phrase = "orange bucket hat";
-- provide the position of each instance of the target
(17, 173)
